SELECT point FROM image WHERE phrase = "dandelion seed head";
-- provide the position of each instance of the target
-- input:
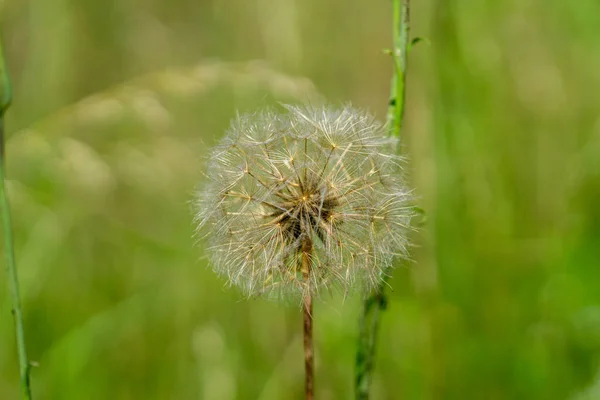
(324, 176)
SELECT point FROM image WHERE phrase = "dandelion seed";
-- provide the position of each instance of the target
(315, 180)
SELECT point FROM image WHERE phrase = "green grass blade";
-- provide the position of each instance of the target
(11, 269)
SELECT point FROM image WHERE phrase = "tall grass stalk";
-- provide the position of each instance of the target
(11, 269)
(376, 302)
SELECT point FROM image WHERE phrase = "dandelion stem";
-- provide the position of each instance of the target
(377, 301)
(308, 321)
(11, 269)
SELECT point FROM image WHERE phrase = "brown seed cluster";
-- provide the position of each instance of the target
(316, 178)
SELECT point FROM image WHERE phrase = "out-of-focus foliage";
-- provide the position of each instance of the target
(115, 106)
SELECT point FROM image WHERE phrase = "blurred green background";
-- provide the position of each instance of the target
(115, 106)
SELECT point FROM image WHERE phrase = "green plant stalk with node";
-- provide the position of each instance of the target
(377, 300)
(11, 268)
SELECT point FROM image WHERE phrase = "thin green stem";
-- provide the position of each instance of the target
(400, 23)
(9, 253)
(369, 328)
(377, 301)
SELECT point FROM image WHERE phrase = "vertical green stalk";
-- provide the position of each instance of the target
(377, 301)
(11, 269)
(400, 23)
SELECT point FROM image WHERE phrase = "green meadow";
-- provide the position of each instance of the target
(116, 105)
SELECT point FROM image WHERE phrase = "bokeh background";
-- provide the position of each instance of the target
(115, 106)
